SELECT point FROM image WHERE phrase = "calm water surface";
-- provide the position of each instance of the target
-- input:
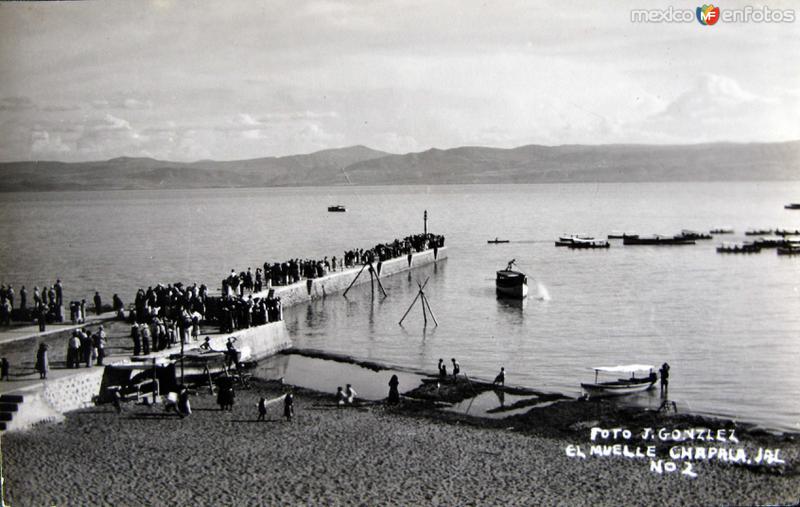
(728, 324)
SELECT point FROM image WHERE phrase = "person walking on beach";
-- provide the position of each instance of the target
(394, 394)
(350, 394)
(288, 406)
(98, 303)
(262, 404)
(442, 369)
(184, 407)
(501, 377)
(42, 362)
(456, 368)
(340, 397)
(664, 371)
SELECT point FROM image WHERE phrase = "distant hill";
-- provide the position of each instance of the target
(359, 165)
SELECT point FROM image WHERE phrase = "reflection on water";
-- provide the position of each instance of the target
(325, 376)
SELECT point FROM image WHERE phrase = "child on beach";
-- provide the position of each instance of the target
(262, 409)
(288, 406)
(340, 397)
(350, 394)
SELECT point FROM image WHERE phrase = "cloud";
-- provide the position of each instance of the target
(43, 145)
(712, 94)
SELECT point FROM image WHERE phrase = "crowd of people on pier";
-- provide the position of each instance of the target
(294, 270)
(83, 347)
(165, 316)
(44, 306)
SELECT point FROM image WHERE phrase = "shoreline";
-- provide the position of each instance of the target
(484, 385)
(370, 453)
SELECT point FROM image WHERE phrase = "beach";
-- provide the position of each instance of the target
(362, 455)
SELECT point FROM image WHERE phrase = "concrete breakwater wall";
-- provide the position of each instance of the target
(338, 281)
(48, 400)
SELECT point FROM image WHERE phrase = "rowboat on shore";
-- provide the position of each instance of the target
(496, 241)
(621, 386)
(510, 283)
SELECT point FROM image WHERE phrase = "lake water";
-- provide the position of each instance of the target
(729, 325)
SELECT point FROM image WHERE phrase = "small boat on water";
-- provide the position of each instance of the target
(787, 232)
(568, 239)
(338, 208)
(746, 247)
(497, 241)
(510, 283)
(687, 234)
(621, 235)
(758, 232)
(771, 242)
(721, 230)
(621, 386)
(791, 247)
(657, 240)
(793, 205)
(589, 244)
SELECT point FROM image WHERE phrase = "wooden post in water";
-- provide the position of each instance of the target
(425, 220)
(354, 280)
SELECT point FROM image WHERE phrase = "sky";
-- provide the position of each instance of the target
(233, 80)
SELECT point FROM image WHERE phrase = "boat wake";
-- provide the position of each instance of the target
(542, 294)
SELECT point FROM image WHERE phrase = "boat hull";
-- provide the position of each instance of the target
(511, 284)
(619, 388)
(516, 292)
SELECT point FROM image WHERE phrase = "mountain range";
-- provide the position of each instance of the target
(359, 165)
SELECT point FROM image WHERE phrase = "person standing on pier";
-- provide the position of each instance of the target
(10, 296)
(100, 345)
(98, 303)
(82, 312)
(87, 347)
(144, 331)
(37, 299)
(136, 337)
(23, 299)
(119, 306)
(442, 369)
(42, 318)
(59, 290)
(5, 312)
(4, 368)
(73, 348)
(42, 362)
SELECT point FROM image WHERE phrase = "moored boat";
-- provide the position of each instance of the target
(568, 239)
(622, 235)
(657, 240)
(510, 283)
(621, 386)
(496, 241)
(589, 243)
(771, 242)
(721, 230)
(758, 232)
(687, 234)
(787, 232)
(746, 247)
(793, 205)
(338, 208)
